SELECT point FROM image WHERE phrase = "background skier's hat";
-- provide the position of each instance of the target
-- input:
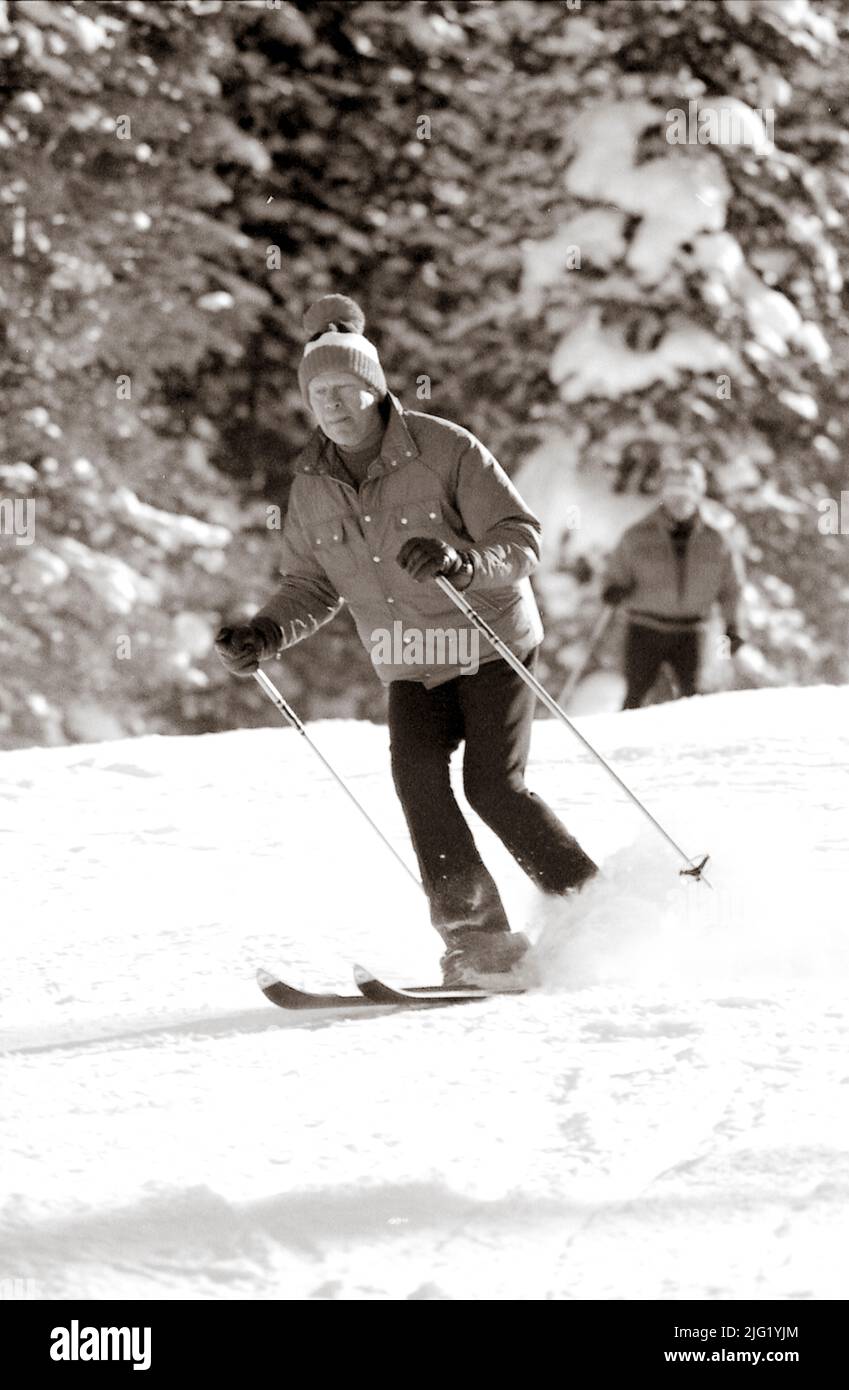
(334, 326)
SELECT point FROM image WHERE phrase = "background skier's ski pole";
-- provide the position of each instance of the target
(289, 714)
(602, 624)
(692, 870)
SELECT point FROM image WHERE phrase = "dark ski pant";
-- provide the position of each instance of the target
(492, 711)
(646, 650)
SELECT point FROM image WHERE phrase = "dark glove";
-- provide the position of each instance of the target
(242, 648)
(614, 594)
(423, 557)
(735, 641)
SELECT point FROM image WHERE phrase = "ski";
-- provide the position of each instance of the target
(287, 996)
(378, 992)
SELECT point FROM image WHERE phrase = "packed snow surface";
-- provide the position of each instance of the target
(666, 1118)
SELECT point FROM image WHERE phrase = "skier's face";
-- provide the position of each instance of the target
(346, 410)
(681, 492)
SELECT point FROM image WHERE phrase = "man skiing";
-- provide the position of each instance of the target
(384, 499)
(669, 569)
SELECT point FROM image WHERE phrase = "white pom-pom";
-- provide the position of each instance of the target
(334, 311)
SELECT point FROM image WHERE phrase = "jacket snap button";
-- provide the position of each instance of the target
(376, 559)
(366, 518)
(390, 600)
(432, 516)
(403, 521)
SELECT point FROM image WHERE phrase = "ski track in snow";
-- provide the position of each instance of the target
(666, 1118)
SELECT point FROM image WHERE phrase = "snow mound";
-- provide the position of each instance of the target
(754, 928)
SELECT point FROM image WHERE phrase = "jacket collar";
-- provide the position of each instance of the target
(397, 446)
(664, 522)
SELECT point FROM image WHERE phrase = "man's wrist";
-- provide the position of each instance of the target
(462, 577)
(458, 567)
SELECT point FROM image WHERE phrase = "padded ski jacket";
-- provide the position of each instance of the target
(340, 545)
(668, 591)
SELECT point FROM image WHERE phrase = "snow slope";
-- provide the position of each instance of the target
(666, 1119)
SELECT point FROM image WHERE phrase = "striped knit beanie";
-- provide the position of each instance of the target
(334, 326)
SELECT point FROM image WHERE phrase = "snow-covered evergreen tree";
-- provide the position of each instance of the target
(589, 232)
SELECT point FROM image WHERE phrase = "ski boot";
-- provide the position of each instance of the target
(494, 960)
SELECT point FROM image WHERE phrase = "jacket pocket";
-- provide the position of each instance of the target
(420, 518)
(512, 615)
(496, 602)
(332, 543)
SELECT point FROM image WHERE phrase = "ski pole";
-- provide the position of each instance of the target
(692, 870)
(289, 714)
(602, 624)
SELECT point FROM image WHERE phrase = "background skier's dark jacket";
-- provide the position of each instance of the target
(663, 588)
(432, 478)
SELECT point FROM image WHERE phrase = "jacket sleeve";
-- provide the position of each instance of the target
(506, 533)
(306, 599)
(730, 593)
(619, 572)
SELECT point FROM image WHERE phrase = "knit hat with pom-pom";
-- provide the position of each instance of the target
(334, 326)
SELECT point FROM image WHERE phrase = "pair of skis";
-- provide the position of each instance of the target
(373, 993)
